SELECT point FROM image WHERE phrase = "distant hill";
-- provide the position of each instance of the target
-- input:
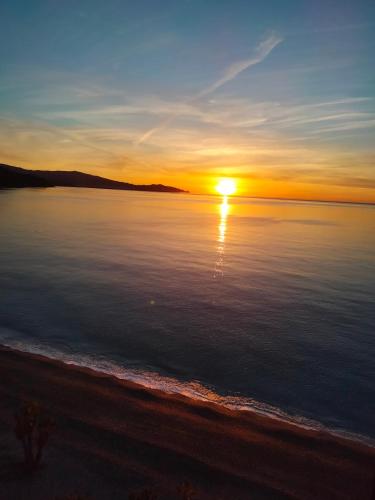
(19, 177)
(13, 177)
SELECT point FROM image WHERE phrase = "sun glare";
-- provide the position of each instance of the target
(226, 187)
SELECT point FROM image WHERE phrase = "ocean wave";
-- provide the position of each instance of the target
(192, 389)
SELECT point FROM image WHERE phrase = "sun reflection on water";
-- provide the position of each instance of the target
(224, 209)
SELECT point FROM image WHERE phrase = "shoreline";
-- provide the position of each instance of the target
(193, 390)
(139, 437)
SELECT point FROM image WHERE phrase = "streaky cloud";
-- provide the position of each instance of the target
(262, 50)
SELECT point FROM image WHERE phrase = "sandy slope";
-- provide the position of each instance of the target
(114, 436)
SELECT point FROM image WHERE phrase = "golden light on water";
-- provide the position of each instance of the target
(224, 209)
(226, 187)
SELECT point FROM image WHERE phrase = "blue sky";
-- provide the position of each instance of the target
(279, 94)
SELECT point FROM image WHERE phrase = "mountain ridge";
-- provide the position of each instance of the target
(11, 176)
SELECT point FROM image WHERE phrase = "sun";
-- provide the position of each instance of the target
(226, 187)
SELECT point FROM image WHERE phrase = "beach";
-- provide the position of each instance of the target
(113, 437)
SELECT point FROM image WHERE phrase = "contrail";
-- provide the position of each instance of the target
(260, 53)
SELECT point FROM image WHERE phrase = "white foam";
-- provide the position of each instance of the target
(193, 389)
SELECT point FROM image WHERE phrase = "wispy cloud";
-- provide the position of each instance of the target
(348, 126)
(261, 52)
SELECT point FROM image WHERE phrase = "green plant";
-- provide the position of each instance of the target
(32, 428)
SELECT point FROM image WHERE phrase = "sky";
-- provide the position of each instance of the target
(278, 95)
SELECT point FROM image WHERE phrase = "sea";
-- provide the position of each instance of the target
(255, 304)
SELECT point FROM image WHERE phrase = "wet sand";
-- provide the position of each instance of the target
(114, 436)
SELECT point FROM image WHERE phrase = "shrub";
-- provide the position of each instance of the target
(186, 491)
(33, 429)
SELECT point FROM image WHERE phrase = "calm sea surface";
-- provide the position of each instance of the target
(260, 303)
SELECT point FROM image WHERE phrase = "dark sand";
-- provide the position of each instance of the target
(113, 437)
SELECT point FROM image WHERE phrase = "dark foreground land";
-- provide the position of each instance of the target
(113, 437)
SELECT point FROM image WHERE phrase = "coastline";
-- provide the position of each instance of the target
(123, 436)
(193, 390)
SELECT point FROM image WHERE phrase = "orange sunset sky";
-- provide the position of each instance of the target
(278, 96)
